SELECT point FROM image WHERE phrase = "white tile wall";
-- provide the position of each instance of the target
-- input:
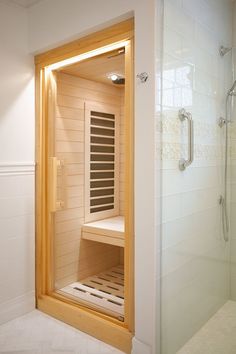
(195, 259)
(17, 242)
(232, 179)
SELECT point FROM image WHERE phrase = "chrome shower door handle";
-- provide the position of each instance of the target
(184, 115)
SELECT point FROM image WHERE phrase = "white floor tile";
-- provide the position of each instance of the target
(217, 336)
(37, 333)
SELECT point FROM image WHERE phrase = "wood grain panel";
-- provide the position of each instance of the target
(68, 101)
(75, 258)
(70, 113)
(86, 94)
(69, 124)
(79, 82)
(69, 135)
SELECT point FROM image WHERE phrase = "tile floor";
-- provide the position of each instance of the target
(217, 336)
(37, 333)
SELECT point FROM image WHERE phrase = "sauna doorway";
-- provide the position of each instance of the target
(85, 184)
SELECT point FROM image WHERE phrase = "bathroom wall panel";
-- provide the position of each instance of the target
(17, 146)
(232, 182)
(232, 209)
(76, 258)
(17, 295)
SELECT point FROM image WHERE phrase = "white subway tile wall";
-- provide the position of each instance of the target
(232, 183)
(17, 243)
(195, 258)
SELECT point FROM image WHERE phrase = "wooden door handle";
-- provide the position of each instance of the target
(54, 165)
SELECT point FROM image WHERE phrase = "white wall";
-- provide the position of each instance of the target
(16, 87)
(53, 22)
(16, 165)
(195, 258)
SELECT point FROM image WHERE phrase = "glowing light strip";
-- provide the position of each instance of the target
(87, 55)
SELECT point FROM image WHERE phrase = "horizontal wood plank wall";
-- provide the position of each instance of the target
(76, 258)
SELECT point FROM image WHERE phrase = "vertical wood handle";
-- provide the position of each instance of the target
(54, 165)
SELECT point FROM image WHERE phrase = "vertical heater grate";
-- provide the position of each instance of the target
(102, 164)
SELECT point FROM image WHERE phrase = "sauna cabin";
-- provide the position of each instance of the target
(89, 152)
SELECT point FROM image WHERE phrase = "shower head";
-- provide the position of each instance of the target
(224, 50)
(231, 91)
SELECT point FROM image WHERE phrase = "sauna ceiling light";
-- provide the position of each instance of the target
(92, 53)
(116, 78)
(113, 77)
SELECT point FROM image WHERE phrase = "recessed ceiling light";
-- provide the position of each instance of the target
(114, 77)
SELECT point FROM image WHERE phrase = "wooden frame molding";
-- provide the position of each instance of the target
(97, 324)
(119, 32)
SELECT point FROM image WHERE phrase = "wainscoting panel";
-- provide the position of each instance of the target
(17, 239)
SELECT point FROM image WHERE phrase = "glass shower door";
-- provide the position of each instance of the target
(195, 257)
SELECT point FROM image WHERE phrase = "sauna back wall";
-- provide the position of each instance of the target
(75, 258)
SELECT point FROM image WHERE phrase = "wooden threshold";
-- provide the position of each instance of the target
(87, 322)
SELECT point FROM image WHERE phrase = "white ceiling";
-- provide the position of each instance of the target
(25, 3)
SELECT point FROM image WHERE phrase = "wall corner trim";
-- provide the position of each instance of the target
(139, 347)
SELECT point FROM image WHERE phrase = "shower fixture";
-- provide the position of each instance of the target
(231, 91)
(142, 77)
(224, 122)
(224, 50)
(221, 122)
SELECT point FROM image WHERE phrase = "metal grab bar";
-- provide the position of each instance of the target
(224, 216)
(184, 115)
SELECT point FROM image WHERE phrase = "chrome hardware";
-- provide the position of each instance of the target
(221, 200)
(221, 122)
(142, 77)
(184, 115)
(224, 50)
(225, 221)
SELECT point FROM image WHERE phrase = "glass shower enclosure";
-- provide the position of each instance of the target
(197, 170)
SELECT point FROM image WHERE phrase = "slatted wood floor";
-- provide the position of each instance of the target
(104, 290)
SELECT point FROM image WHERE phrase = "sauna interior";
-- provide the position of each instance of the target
(87, 130)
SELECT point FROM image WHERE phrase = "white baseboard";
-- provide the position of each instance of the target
(17, 307)
(140, 348)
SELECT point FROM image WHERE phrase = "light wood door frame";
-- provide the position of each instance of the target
(95, 323)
